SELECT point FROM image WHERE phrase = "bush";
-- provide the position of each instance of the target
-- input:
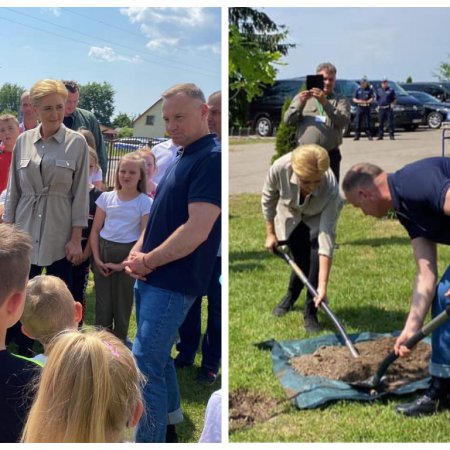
(286, 135)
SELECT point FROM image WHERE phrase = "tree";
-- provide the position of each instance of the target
(10, 98)
(99, 99)
(125, 132)
(286, 135)
(443, 73)
(122, 120)
(409, 79)
(256, 44)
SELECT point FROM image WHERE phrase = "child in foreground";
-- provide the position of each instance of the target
(89, 391)
(49, 310)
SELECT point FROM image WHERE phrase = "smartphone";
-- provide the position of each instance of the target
(314, 81)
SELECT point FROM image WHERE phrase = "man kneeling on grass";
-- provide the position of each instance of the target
(420, 195)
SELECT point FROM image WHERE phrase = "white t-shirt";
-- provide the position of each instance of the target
(123, 218)
(165, 154)
(212, 430)
(97, 175)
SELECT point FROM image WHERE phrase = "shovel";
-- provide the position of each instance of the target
(353, 351)
(373, 381)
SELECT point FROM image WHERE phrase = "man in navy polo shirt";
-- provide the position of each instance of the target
(174, 258)
(363, 99)
(386, 99)
(420, 195)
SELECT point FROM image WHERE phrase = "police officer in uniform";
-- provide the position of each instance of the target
(386, 100)
(363, 98)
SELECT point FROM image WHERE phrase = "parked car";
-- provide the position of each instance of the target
(408, 112)
(265, 111)
(438, 89)
(133, 143)
(436, 112)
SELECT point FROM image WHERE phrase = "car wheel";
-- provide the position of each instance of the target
(264, 127)
(434, 119)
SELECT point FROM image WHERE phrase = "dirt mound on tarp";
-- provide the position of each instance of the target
(336, 363)
(246, 408)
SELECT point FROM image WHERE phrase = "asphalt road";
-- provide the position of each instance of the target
(248, 163)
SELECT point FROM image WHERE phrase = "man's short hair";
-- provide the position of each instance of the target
(15, 260)
(361, 174)
(49, 308)
(190, 89)
(71, 86)
(328, 67)
(5, 117)
(214, 95)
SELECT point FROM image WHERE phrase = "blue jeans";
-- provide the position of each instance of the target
(440, 339)
(190, 331)
(159, 314)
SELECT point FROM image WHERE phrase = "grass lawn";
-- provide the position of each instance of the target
(369, 290)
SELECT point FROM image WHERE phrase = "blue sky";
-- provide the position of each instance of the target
(392, 42)
(140, 51)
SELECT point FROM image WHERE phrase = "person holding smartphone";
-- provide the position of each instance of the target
(320, 115)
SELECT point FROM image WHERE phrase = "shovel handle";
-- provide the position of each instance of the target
(354, 352)
(412, 341)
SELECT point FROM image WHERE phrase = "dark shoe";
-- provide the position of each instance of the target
(206, 377)
(379, 138)
(283, 307)
(391, 138)
(370, 138)
(311, 324)
(171, 434)
(433, 400)
(180, 364)
(356, 138)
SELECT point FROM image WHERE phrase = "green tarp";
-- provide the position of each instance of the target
(316, 391)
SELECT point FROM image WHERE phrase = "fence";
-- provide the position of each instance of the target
(119, 147)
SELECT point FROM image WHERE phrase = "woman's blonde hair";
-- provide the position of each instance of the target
(89, 389)
(42, 88)
(135, 157)
(310, 161)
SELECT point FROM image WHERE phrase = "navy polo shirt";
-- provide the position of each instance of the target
(385, 96)
(364, 93)
(194, 177)
(418, 194)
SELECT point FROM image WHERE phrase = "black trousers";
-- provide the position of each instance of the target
(305, 252)
(335, 162)
(362, 118)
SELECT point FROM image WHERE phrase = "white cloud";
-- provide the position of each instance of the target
(109, 55)
(173, 29)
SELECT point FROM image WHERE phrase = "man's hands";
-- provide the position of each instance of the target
(271, 242)
(316, 93)
(135, 265)
(399, 348)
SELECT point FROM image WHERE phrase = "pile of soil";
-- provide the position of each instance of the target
(336, 363)
(246, 408)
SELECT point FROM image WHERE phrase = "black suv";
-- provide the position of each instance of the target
(440, 90)
(265, 111)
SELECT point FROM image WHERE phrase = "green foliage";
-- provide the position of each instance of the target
(125, 132)
(122, 120)
(409, 79)
(255, 47)
(99, 99)
(286, 139)
(443, 73)
(10, 98)
(370, 290)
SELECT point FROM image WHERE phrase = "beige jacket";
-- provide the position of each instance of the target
(48, 191)
(319, 211)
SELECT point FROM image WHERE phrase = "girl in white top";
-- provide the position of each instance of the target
(120, 217)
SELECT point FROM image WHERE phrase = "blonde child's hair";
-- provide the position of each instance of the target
(42, 88)
(5, 117)
(49, 308)
(15, 260)
(89, 136)
(147, 151)
(310, 161)
(88, 390)
(135, 157)
(94, 156)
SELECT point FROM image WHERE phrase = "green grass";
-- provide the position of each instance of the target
(369, 290)
(193, 396)
(250, 140)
